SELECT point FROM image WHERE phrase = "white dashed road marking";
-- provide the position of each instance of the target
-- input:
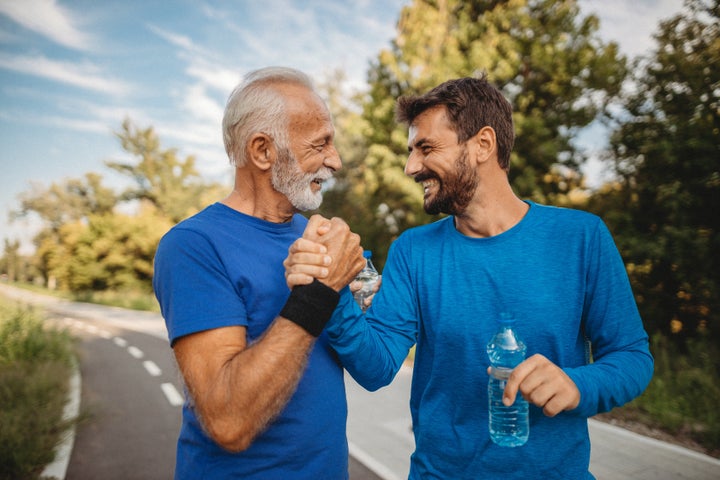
(135, 352)
(152, 368)
(105, 334)
(172, 394)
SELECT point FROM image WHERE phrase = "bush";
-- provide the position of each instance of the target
(684, 395)
(35, 364)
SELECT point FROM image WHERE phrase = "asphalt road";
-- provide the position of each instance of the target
(130, 424)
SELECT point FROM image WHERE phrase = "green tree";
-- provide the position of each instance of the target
(67, 201)
(356, 177)
(87, 244)
(664, 209)
(547, 59)
(174, 186)
(10, 263)
(107, 252)
(61, 203)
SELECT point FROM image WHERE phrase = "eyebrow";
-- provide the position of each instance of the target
(418, 144)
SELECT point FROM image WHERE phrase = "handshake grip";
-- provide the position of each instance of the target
(311, 305)
(342, 245)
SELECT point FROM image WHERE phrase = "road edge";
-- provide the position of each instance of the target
(58, 468)
(653, 442)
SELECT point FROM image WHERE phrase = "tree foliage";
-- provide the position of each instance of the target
(107, 252)
(666, 150)
(173, 185)
(547, 59)
(67, 201)
(87, 244)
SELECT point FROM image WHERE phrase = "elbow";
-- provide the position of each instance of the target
(229, 436)
(233, 444)
(372, 386)
(372, 383)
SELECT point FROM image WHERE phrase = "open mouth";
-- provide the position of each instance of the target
(317, 183)
(429, 184)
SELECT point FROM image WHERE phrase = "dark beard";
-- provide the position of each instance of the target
(455, 192)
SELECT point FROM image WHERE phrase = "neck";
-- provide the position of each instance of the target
(494, 210)
(257, 198)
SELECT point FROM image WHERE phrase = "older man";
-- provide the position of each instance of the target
(265, 393)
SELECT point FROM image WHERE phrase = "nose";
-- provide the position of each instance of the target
(332, 159)
(413, 164)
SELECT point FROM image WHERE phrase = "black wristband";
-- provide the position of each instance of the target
(311, 306)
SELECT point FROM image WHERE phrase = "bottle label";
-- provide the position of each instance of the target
(500, 373)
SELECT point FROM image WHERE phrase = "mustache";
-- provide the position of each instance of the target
(422, 176)
(325, 173)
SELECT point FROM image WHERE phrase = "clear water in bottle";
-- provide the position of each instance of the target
(368, 276)
(509, 426)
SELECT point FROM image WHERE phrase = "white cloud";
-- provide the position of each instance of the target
(200, 105)
(624, 22)
(218, 77)
(182, 41)
(48, 19)
(83, 75)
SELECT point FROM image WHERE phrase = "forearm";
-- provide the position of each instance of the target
(372, 352)
(250, 386)
(613, 379)
(238, 388)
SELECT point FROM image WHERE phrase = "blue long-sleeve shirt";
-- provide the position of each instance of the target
(560, 275)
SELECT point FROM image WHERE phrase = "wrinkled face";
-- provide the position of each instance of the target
(301, 188)
(440, 163)
(311, 158)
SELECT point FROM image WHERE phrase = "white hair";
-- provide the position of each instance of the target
(254, 106)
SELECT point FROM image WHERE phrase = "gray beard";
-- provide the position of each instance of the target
(287, 178)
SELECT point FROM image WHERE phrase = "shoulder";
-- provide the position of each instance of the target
(563, 217)
(427, 232)
(195, 225)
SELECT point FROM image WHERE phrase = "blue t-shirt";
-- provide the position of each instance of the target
(223, 268)
(559, 274)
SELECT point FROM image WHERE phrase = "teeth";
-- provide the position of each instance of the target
(428, 183)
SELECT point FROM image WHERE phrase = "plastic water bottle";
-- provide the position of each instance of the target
(509, 426)
(369, 277)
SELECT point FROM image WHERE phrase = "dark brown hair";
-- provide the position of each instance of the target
(471, 103)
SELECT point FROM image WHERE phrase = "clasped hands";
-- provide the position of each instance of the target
(327, 251)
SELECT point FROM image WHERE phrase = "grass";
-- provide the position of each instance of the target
(35, 365)
(131, 300)
(683, 398)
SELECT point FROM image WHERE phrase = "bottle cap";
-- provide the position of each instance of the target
(367, 254)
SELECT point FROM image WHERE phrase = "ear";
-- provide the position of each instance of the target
(261, 151)
(485, 145)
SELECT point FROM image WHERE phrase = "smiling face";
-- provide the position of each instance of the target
(440, 163)
(302, 189)
(311, 158)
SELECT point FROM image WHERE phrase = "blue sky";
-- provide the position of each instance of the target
(72, 70)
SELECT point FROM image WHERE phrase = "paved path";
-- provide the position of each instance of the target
(379, 423)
